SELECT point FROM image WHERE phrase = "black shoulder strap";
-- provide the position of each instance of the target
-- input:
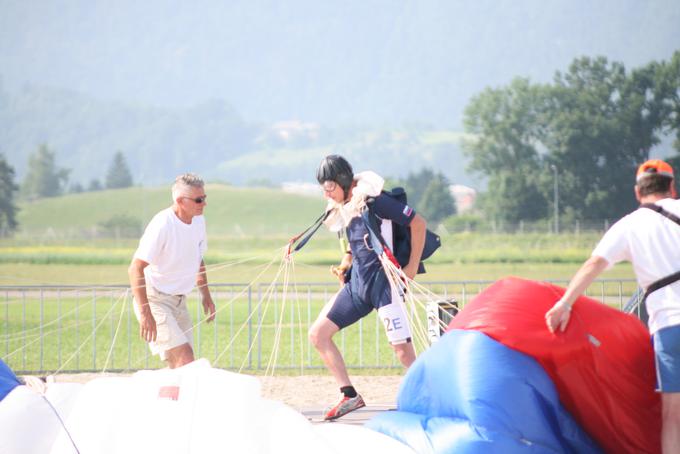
(661, 211)
(668, 280)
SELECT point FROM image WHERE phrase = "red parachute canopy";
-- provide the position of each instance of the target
(602, 365)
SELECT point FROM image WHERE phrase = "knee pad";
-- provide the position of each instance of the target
(395, 321)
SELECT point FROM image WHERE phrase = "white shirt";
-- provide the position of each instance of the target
(652, 243)
(174, 251)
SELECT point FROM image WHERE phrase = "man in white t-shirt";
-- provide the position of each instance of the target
(651, 241)
(165, 268)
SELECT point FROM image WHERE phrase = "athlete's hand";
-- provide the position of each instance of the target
(558, 316)
(339, 272)
(410, 271)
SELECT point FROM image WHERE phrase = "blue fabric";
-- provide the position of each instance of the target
(471, 394)
(368, 287)
(8, 381)
(667, 359)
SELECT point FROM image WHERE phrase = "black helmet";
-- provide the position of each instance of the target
(335, 168)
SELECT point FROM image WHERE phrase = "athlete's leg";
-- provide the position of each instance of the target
(397, 328)
(321, 336)
(405, 352)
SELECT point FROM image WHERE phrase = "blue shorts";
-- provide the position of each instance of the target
(345, 311)
(667, 358)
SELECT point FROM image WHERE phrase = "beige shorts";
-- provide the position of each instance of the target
(173, 322)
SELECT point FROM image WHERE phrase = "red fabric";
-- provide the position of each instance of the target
(602, 365)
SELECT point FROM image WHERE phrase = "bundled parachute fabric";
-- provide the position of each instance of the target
(30, 421)
(602, 365)
(471, 394)
(193, 409)
(8, 381)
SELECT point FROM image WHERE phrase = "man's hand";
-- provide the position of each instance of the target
(411, 270)
(147, 326)
(208, 307)
(558, 316)
(339, 272)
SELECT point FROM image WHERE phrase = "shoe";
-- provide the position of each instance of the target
(344, 406)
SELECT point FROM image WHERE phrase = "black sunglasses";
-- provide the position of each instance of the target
(197, 200)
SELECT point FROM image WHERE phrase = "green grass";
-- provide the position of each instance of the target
(231, 211)
(247, 230)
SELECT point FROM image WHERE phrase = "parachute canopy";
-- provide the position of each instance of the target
(192, 409)
(602, 365)
(471, 394)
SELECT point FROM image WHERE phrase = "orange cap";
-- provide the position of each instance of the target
(654, 167)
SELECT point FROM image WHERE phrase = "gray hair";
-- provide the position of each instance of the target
(183, 183)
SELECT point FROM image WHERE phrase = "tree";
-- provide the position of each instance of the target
(43, 178)
(94, 185)
(118, 175)
(8, 187)
(601, 125)
(437, 202)
(507, 125)
(593, 126)
(416, 184)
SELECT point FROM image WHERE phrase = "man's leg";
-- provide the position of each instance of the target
(670, 430)
(667, 357)
(397, 327)
(321, 336)
(338, 313)
(405, 352)
(179, 356)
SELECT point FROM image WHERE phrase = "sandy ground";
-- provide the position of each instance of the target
(305, 391)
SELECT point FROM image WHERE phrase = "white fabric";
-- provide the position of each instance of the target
(174, 251)
(652, 243)
(394, 319)
(213, 411)
(28, 424)
(368, 184)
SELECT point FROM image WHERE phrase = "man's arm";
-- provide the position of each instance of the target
(147, 324)
(558, 315)
(204, 290)
(418, 227)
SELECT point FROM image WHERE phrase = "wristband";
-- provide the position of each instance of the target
(565, 305)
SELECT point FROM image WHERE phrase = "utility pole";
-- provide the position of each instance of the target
(556, 198)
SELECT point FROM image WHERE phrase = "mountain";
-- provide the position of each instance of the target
(251, 91)
(376, 62)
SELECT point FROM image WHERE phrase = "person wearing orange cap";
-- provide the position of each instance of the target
(649, 238)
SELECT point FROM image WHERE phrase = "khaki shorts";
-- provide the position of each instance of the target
(173, 322)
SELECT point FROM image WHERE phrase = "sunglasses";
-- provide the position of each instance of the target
(329, 186)
(197, 200)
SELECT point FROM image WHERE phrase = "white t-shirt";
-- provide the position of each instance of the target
(652, 243)
(174, 251)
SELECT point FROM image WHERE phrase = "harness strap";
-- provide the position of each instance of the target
(311, 229)
(668, 280)
(661, 211)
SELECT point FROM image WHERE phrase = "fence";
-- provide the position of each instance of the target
(257, 328)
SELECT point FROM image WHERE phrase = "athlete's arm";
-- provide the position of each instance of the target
(418, 227)
(559, 315)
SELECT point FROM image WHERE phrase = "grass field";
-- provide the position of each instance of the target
(90, 328)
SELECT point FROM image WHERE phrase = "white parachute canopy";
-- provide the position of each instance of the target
(193, 409)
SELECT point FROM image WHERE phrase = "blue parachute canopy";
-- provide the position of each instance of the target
(8, 381)
(471, 394)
